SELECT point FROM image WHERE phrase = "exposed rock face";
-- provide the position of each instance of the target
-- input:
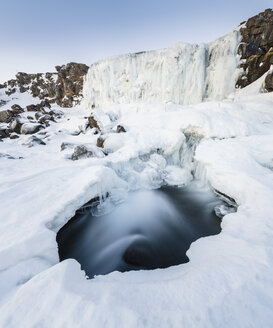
(63, 87)
(256, 48)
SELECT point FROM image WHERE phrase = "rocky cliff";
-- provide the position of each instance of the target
(63, 87)
(256, 49)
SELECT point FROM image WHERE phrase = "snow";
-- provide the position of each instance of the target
(229, 279)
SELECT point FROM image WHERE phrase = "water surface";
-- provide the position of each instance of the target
(151, 229)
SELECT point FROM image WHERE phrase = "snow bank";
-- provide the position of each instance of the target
(228, 281)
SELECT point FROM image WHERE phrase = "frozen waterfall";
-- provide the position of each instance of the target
(182, 74)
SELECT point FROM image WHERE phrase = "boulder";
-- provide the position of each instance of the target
(93, 122)
(17, 109)
(140, 254)
(100, 142)
(33, 140)
(120, 129)
(4, 132)
(14, 136)
(45, 103)
(66, 145)
(81, 152)
(30, 128)
(268, 83)
(33, 108)
(6, 116)
(38, 115)
(45, 118)
(16, 125)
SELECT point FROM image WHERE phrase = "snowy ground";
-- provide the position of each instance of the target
(229, 279)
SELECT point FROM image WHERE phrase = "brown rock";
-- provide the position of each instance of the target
(5, 116)
(100, 142)
(93, 122)
(256, 47)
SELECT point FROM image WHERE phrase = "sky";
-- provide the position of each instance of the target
(37, 35)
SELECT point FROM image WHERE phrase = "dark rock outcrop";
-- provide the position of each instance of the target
(256, 48)
(17, 109)
(63, 87)
(6, 116)
(120, 129)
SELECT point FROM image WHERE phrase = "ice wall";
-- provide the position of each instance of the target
(182, 74)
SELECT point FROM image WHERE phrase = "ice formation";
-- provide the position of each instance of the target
(183, 74)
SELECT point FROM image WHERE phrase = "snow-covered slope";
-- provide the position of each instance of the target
(182, 74)
(228, 281)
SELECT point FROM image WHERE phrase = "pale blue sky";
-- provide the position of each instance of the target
(36, 35)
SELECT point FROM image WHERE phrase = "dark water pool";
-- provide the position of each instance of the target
(151, 229)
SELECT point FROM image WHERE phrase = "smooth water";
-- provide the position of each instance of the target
(151, 229)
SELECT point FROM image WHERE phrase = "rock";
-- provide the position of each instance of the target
(140, 254)
(66, 145)
(93, 122)
(256, 47)
(17, 109)
(81, 152)
(30, 128)
(63, 87)
(120, 129)
(16, 125)
(45, 103)
(3, 102)
(100, 142)
(38, 115)
(10, 91)
(268, 83)
(33, 140)
(14, 136)
(33, 108)
(45, 118)
(4, 132)
(6, 116)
